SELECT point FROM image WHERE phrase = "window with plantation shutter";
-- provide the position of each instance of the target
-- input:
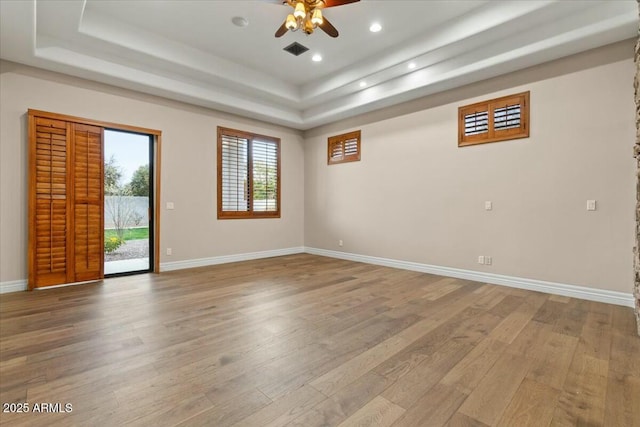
(499, 119)
(248, 175)
(344, 148)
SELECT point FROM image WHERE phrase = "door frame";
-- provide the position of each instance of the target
(152, 206)
(157, 137)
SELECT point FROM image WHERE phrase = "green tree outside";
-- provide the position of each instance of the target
(139, 185)
(112, 177)
(264, 182)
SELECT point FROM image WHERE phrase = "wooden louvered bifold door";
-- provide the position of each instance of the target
(87, 202)
(49, 239)
(66, 231)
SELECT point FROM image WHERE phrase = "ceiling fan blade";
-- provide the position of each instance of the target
(283, 29)
(328, 28)
(333, 3)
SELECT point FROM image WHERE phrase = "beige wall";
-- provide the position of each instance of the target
(416, 196)
(188, 167)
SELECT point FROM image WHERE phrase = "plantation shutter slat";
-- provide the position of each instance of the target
(476, 123)
(508, 118)
(476, 126)
(350, 147)
(336, 151)
(66, 242)
(88, 202)
(49, 201)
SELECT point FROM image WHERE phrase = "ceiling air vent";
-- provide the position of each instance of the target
(296, 49)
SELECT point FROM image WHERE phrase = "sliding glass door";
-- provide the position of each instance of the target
(128, 202)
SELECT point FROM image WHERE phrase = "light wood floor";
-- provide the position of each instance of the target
(308, 341)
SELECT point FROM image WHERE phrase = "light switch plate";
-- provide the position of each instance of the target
(170, 205)
(488, 205)
(591, 205)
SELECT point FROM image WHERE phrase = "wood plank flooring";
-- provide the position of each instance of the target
(308, 341)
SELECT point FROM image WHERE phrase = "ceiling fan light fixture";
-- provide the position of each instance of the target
(291, 23)
(300, 11)
(307, 16)
(316, 17)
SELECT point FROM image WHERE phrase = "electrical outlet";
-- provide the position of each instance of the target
(169, 251)
(488, 260)
(488, 205)
(170, 205)
(340, 243)
(481, 259)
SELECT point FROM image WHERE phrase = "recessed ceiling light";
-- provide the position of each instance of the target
(363, 84)
(411, 65)
(239, 21)
(316, 58)
(375, 27)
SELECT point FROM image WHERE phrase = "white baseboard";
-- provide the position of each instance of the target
(21, 285)
(224, 259)
(13, 286)
(581, 292)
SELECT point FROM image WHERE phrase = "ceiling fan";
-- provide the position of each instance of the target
(307, 16)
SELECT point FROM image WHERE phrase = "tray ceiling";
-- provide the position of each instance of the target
(191, 51)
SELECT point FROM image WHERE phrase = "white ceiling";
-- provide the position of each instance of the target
(191, 51)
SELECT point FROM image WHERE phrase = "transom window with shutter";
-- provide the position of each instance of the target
(248, 175)
(494, 120)
(344, 148)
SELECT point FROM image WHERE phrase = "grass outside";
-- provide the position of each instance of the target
(129, 233)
